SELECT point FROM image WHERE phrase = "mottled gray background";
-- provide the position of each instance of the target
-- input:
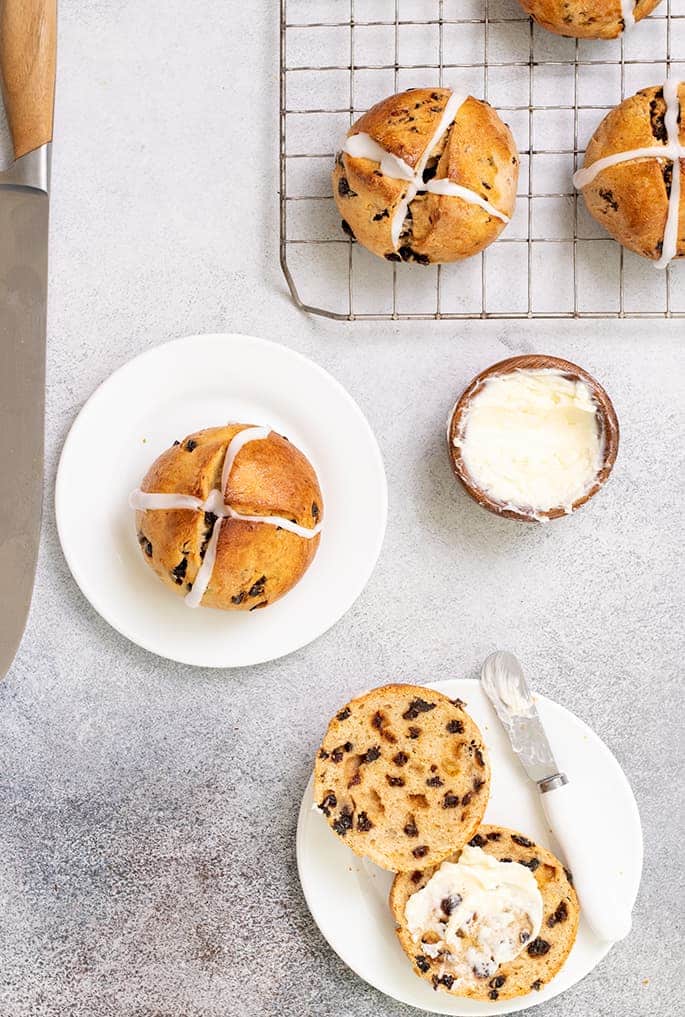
(148, 810)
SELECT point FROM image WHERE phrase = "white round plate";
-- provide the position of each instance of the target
(181, 387)
(347, 896)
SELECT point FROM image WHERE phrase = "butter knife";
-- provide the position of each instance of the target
(27, 75)
(506, 687)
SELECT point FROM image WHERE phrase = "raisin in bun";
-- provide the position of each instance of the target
(427, 176)
(628, 173)
(402, 776)
(588, 19)
(229, 517)
(540, 958)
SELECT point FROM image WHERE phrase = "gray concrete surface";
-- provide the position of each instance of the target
(148, 810)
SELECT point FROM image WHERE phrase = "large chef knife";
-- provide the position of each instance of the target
(506, 687)
(27, 73)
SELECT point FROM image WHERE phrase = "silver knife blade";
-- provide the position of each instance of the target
(24, 207)
(506, 687)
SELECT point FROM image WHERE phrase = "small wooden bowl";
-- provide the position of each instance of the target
(607, 420)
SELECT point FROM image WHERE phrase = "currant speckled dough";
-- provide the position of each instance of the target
(541, 959)
(402, 776)
(588, 19)
(631, 199)
(256, 563)
(474, 151)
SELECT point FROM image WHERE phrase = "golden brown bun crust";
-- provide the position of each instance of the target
(631, 200)
(477, 152)
(256, 563)
(402, 776)
(541, 960)
(584, 19)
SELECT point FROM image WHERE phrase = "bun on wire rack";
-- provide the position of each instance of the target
(588, 19)
(632, 176)
(427, 176)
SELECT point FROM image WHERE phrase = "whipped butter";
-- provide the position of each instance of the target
(531, 440)
(474, 915)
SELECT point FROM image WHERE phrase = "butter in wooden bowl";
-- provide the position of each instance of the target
(533, 438)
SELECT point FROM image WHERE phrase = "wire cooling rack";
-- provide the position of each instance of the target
(339, 57)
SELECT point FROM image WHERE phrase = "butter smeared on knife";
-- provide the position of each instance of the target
(506, 687)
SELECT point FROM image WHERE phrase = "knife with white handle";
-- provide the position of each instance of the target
(506, 687)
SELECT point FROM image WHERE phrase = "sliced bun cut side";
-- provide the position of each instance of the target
(402, 776)
(541, 957)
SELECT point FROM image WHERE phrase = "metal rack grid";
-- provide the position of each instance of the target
(338, 57)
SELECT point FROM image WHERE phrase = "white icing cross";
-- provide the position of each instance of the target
(672, 150)
(214, 503)
(363, 146)
(628, 13)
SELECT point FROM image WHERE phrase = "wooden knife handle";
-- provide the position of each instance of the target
(28, 43)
